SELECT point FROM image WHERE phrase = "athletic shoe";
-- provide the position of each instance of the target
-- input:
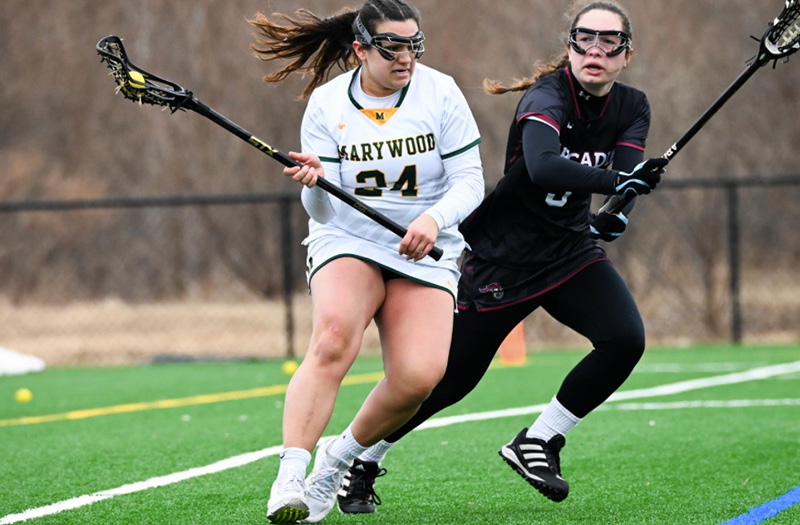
(323, 483)
(538, 462)
(357, 495)
(287, 500)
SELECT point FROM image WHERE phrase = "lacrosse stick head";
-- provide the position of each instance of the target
(782, 37)
(138, 85)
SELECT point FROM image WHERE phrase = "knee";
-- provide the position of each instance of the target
(635, 341)
(331, 343)
(633, 346)
(413, 387)
(626, 346)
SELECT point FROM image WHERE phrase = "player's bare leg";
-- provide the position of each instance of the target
(415, 324)
(345, 295)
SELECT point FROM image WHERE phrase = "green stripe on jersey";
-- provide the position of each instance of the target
(462, 150)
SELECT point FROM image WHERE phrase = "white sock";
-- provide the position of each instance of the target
(346, 447)
(377, 452)
(294, 460)
(555, 419)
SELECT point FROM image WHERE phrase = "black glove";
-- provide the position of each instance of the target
(643, 179)
(607, 226)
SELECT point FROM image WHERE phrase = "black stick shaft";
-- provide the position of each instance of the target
(198, 106)
(616, 203)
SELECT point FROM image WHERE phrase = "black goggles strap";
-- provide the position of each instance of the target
(363, 36)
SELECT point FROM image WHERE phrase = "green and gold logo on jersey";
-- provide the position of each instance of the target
(379, 116)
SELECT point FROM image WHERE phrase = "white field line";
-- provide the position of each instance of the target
(245, 459)
(734, 403)
(81, 501)
(680, 368)
(694, 384)
(663, 390)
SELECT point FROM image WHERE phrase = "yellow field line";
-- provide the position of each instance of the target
(204, 399)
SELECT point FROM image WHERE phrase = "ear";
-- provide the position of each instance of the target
(361, 50)
(573, 57)
(629, 56)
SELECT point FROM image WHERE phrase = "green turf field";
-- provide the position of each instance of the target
(172, 444)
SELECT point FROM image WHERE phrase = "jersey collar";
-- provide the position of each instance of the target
(403, 93)
(586, 98)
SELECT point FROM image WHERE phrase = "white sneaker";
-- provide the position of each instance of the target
(324, 482)
(287, 500)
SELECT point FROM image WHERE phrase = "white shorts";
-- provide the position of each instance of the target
(441, 274)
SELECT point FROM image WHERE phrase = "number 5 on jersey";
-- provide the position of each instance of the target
(557, 201)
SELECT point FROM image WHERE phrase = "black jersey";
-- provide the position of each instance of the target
(529, 232)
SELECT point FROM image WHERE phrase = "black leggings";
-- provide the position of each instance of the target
(596, 303)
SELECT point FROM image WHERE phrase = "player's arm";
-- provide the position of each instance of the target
(628, 154)
(549, 170)
(459, 147)
(465, 191)
(320, 158)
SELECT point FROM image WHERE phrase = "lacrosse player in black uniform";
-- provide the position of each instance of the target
(533, 244)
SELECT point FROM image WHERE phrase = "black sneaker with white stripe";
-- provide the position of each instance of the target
(538, 462)
(357, 495)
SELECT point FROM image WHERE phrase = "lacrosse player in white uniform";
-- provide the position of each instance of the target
(399, 136)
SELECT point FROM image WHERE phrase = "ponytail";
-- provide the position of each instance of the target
(311, 44)
(541, 69)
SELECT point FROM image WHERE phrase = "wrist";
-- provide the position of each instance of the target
(612, 181)
(435, 217)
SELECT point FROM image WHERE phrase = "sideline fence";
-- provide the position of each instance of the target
(732, 208)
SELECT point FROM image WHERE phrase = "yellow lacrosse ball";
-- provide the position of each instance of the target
(23, 395)
(135, 79)
(289, 367)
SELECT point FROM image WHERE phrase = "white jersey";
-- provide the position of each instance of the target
(417, 156)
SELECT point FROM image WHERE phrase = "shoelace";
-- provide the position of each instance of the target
(295, 484)
(364, 485)
(323, 485)
(551, 455)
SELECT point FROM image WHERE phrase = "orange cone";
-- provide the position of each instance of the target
(512, 350)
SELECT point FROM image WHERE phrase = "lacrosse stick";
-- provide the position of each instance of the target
(781, 39)
(145, 88)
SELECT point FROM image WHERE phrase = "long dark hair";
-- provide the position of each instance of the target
(543, 68)
(315, 45)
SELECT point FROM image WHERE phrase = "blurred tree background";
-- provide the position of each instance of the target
(64, 135)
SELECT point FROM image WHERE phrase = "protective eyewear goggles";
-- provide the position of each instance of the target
(612, 43)
(390, 45)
